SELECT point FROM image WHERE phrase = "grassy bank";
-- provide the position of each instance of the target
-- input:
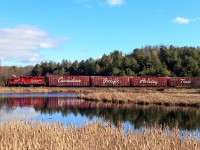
(22, 135)
(146, 98)
(37, 89)
(95, 89)
(168, 97)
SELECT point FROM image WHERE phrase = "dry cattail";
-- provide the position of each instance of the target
(15, 135)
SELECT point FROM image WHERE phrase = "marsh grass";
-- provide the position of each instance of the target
(95, 89)
(182, 97)
(17, 135)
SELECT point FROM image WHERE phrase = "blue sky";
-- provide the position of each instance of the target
(32, 31)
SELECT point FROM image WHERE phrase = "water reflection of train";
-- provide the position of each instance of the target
(49, 102)
(55, 102)
(104, 81)
(69, 102)
(26, 101)
(139, 116)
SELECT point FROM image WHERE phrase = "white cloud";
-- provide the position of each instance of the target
(181, 20)
(22, 43)
(115, 2)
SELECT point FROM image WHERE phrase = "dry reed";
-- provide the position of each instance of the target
(95, 89)
(158, 98)
(28, 135)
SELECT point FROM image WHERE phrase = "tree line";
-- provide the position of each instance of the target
(6, 72)
(147, 61)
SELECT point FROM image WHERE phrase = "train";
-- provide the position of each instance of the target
(103, 81)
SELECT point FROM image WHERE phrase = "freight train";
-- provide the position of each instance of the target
(103, 81)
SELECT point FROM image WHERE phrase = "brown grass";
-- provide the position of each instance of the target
(37, 89)
(93, 90)
(23, 135)
(172, 97)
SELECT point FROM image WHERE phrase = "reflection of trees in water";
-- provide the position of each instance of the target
(138, 116)
(4, 104)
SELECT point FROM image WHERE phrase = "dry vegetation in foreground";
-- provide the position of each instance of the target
(22, 135)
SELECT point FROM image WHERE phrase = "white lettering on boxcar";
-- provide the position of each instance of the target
(185, 81)
(61, 80)
(148, 81)
(113, 82)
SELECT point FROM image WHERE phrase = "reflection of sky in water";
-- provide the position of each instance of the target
(17, 113)
(77, 120)
(195, 133)
(30, 114)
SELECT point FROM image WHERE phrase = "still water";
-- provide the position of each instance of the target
(66, 108)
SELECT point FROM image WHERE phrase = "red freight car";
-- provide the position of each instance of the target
(68, 81)
(110, 81)
(196, 82)
(149, 81)
(180, 82)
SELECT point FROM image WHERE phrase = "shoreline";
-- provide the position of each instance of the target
(183, 97)
(170, 97)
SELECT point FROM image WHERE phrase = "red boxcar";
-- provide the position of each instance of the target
(149, 81)
(110, 81)
(68, 81)
(196, 82)
(180, 82)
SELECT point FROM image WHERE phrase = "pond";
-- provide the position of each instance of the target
(67, 108)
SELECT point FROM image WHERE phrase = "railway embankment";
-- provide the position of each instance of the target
(37, 89)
